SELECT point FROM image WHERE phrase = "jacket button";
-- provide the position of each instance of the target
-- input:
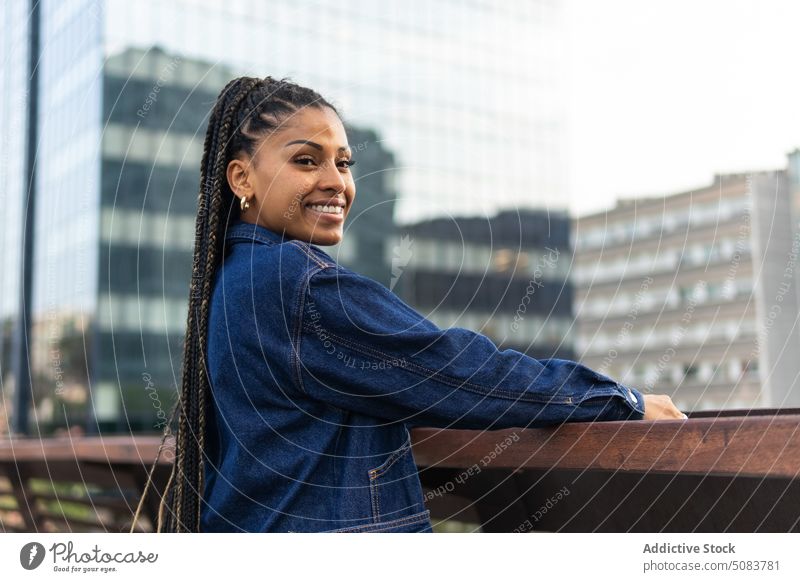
(632, 396)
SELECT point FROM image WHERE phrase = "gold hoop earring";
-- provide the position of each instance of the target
(243, 203)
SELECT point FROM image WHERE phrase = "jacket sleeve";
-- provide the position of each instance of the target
(360, 347)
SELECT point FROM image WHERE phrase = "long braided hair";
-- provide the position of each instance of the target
(246, 111)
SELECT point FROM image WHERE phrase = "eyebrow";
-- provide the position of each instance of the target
(314, 145)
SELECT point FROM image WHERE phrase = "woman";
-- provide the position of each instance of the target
(301, 378)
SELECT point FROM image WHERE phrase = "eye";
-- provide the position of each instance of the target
(305, 159)
(348, 163)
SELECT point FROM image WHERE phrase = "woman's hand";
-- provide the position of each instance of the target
(660, 407)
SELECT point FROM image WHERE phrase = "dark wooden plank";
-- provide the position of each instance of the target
(602, 501)
(116, 466)
(120, 503)
(18, 477)
(757, 446)
(73, 524)
(744, 412)
(7, 519)
(117, 449)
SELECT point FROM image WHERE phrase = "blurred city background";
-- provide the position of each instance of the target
(602, 182)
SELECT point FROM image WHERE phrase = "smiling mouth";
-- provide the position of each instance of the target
(324, 215)
(327, 209)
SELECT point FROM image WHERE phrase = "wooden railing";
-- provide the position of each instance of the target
(78, 483)
(734, 471)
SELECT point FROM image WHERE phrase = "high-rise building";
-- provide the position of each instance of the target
(694, 294)
(136, 271)
(15, 115)
(114, 119)
(506, 276)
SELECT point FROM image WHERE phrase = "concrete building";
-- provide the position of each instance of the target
(694, 294)
(506, 276)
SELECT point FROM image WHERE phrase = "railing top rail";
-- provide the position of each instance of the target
(759, 443)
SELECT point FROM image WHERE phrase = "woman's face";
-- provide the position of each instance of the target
(299, 181)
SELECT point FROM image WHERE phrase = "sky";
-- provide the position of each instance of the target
(661, 95)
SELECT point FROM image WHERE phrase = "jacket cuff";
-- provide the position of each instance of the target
(631, 403)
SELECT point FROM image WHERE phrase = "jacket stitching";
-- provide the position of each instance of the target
(307, 251)
(429, 374)
(256, 236)
(409, 520)
(376, 473)
(386, 465)
(250, 237)
(377, 502)
(300, 305)
(335, 451)
(298, 302)
(373, 494)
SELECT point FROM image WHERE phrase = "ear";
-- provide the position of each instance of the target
(240, 178)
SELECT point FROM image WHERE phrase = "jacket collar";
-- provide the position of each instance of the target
(239, 230)
(247, 231)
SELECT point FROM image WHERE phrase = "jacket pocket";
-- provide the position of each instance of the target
(386, 481)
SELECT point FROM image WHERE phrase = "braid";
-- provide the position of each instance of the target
(247, 110)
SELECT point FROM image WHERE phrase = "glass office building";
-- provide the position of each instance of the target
(457, 106)
(507, 277)
(14, 48)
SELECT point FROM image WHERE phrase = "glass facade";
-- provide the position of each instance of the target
(13, 186)
(66, 212)
(507, 277)
(452, 109)
(466, 94)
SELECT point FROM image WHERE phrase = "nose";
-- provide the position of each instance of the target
(331, 179)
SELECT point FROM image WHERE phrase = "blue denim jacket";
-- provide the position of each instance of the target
(318, 373)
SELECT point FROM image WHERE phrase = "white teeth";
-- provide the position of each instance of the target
(327, 209)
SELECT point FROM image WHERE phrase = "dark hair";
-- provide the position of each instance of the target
(246, 111)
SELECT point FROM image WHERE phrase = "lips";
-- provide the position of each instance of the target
(327, 210)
